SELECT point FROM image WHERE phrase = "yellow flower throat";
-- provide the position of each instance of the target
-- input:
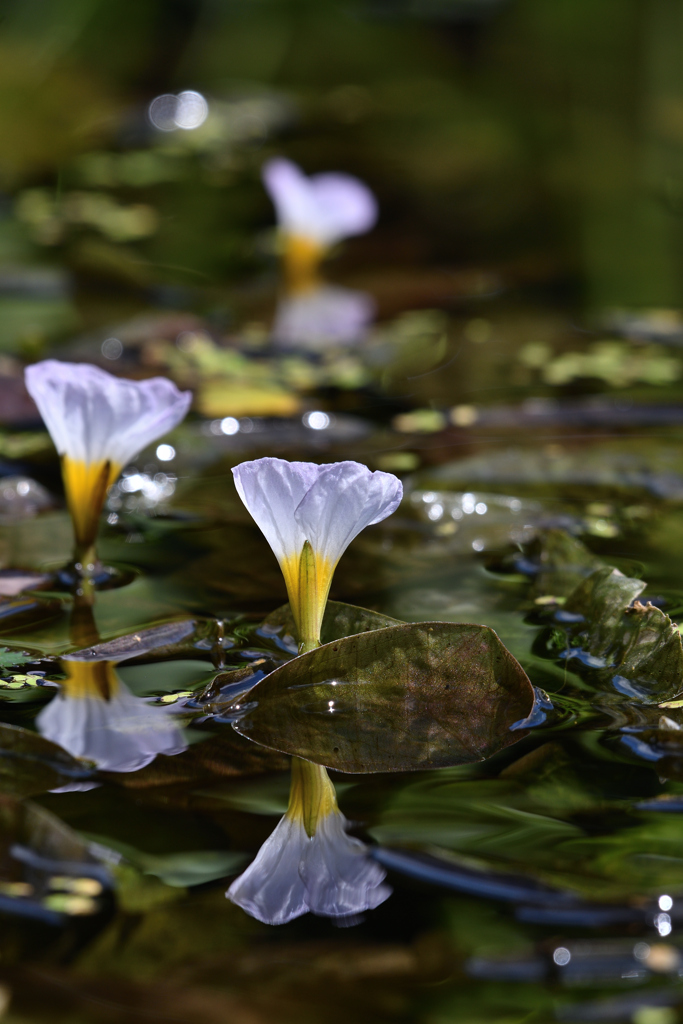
(86, 485)
(311, 795)
(308, 577)
(90, 679)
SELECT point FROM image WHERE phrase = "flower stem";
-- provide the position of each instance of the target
(312, 795)
(310, 610)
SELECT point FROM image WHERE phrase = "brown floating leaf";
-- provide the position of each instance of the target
(222, 756)
(31, 764)
(340, 620)
(563, 563)
(601, 600)
(632, 647)
(133, 645)
(424, 695)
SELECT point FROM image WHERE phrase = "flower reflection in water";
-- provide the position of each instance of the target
(96, 717)
(309, 863)
(322, 315)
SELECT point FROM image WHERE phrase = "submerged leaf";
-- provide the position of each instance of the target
(406, 697)
(179, 870)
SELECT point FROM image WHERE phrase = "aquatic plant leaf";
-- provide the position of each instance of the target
(635, 647)
(31, 764)
(406, 697)
(9, 658)
(563, 562)
(340, 620)
(650, 661)
(61, 874)
(225, 755)
(133, 645)
(601, 600)
(161, 677)
(625, 467)
(179, 870)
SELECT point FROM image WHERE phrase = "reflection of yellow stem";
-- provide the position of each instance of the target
(82, 626)
(308, 578)
(301, 257)
(90, 679)
(311, 796)
(86, 485)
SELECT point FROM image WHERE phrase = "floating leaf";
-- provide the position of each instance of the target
(563, 562)
(133, 645)
(406, 697)
(10, 659)
(600, 601)
(634, 647)
(340, 620)
(226, 755)
(31, 764)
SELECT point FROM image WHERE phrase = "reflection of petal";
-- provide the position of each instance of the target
(94, 417)
(340, 878)
(271, 889)
(323, 316)
(325, 207)
(329, 875)
(120, 734)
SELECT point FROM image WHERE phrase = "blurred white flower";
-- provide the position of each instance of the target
(309, 515)
(309, 863)
(313, 213)
(95, 717)
(322, 315)
(98, 423)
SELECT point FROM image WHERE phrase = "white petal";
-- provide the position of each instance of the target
(345, 206)
(290, 191)
(340, 878)
(93, 416)
(344, 499)
(271, 889)
(272, 489)
(327, 315)
(122, 734)
(325, 207)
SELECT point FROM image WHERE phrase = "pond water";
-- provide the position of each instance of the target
(506, 341)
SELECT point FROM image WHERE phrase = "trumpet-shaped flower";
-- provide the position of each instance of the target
(309, 863)
(324, 315)
(309, 515)
(98, 423)
(314, 213)
(96, 717)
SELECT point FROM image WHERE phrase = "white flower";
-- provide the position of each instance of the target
(96, 717)
(327, 873)
(98, 423)
(309, 515)
(323, 208)
(321, 316)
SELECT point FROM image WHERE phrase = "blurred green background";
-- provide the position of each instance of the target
(543, 141)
